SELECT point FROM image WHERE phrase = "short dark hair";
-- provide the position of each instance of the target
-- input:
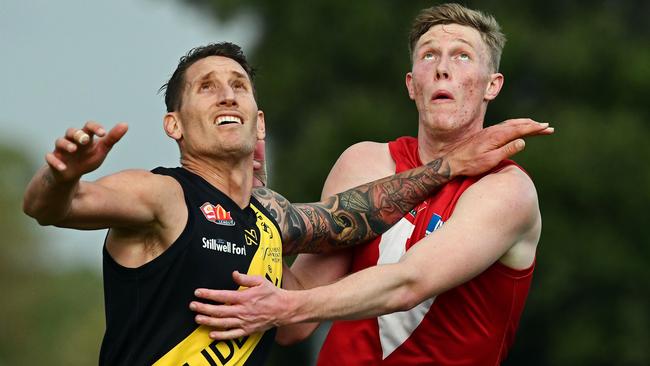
(174, 87)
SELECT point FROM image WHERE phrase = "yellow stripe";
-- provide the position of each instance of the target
(198, 349)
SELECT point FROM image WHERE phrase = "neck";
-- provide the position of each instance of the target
(433, 144)
(233, 178)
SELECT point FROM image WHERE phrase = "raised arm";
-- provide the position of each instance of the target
(311, 270)
(355, 298)
(354, 216)
(57, 196)
(493, 216)
(362, 213)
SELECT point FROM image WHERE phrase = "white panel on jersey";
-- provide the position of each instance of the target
(393, 243)
(395, 328)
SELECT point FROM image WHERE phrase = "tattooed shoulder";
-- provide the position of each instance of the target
(275, 203)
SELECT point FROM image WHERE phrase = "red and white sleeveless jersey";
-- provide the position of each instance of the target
(472, 324)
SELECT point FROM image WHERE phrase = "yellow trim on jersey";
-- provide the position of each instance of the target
(198, 349)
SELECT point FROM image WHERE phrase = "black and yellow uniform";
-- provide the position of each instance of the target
(148, 320)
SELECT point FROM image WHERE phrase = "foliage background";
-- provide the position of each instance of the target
(331, 73)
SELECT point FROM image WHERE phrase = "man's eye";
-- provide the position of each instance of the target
(463, 57)
(428, 56)
(206, 86)
(239, 85)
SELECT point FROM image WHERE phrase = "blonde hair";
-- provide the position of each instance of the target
(485, 24)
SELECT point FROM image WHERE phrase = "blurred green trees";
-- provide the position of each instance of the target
(54, 318)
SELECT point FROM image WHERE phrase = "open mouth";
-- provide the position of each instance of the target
(227, 120)
(442, 95)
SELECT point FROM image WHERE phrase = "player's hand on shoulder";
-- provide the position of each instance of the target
(483, 150)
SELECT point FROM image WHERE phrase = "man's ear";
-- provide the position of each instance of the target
(409, 85)
(172, 126)
(494, 86)
(261, 125)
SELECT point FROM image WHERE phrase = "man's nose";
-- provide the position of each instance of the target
(227, 97)
(442, 69)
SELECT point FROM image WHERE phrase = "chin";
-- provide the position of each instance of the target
(238, 149)
(441, 123)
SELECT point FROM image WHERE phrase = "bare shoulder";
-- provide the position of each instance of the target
(509, 199)
(510, 191)
(150, 218)
(360, 163)
(142, 180)
(159, 194)
(512, 182)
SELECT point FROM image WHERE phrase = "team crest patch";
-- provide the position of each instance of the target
(434, 224)
(217, 214)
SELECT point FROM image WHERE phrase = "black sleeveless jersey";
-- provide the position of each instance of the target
(148, 320)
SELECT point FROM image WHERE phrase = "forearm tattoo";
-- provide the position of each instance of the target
(354, 216)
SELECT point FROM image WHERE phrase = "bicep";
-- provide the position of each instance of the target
(490, 218)
(130, 198)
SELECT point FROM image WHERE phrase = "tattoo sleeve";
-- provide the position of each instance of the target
(354, 216)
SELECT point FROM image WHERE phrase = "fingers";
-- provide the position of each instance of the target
(506, 151)
(75, 137)
(218, 323)
(80, 137)
(94, 128)
(85, 134)
(64, 145)
(525, 129)
(55, 163)
(216, 311)
(512, 148)
(220, 296)
(509, 131)
(246, 280)
(526, 126)
(220, 317)
(115, 134)
(227, 334)
(546, 131)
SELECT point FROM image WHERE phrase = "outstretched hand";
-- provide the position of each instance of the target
(248, 311)
(485, 149)
(79, 152)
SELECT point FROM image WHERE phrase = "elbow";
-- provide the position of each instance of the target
(32, 210)
(409, 294)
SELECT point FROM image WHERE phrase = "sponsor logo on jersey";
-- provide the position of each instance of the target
(434, 224)
(197, 348)
(251, 237)
(217, 214)
(223, 246)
